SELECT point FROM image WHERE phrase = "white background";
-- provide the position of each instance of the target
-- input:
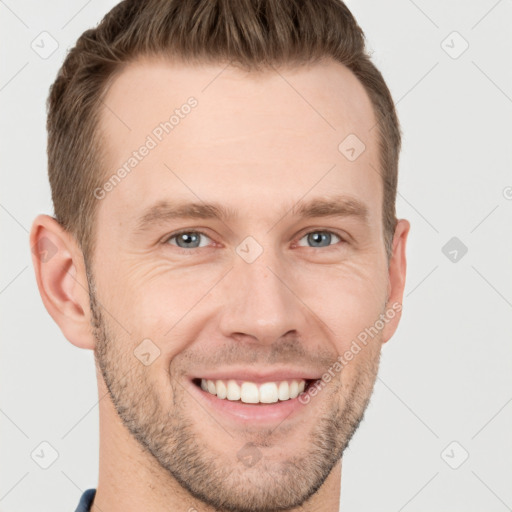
(446, 374)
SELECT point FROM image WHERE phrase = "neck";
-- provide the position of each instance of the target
(131, 480)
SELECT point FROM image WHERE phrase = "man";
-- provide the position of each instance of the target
(224, 177)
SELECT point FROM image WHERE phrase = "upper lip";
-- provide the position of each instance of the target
(259, 376)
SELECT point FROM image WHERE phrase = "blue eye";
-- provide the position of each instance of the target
(320, 238)
(188, 240)
(196, 239)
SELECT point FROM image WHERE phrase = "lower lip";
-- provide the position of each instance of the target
(250, 413)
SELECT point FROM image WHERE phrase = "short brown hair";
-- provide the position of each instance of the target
(249, 33)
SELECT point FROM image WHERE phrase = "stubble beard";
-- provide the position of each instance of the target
(219, 479)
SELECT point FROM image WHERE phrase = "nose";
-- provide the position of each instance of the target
(261, 306)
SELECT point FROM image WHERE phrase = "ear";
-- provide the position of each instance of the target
(61, 279)
(396, 283)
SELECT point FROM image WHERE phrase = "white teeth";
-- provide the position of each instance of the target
(268, 393)
(221, 389)
(249, 393)
(284, 391)
(294, 389)
(233, 390)
(252, 393)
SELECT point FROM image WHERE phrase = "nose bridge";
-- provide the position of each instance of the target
(260, 303)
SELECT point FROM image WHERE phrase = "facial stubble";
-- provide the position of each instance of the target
(168, 432)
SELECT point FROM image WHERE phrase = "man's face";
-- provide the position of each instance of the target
(261, 297)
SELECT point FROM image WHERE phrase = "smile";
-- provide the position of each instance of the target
(252, 392)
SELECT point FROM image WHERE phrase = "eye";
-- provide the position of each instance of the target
(188, 240)
(197, 239)
(320, 238)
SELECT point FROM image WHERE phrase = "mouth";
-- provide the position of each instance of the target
(245, 399)
(255, 397)
(254, 393)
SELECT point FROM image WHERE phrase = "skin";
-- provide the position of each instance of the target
(256, 146)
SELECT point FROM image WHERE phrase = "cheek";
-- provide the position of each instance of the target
(348, 299)
(163, 304)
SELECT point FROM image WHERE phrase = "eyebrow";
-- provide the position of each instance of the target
(337, 206)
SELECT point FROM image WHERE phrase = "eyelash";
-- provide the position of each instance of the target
(181, 249)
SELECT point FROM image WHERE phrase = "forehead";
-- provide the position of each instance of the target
(216, 130)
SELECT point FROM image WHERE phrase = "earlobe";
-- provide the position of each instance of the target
(396, 284)
(60, 274)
